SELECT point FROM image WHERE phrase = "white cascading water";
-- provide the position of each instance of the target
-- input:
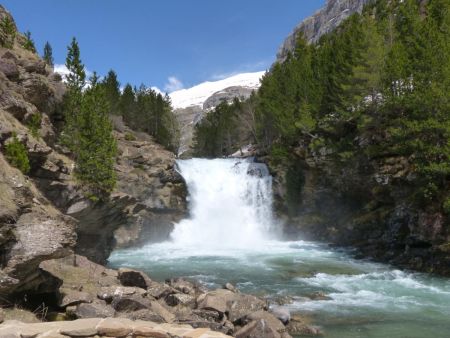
(230, 204)
(229, 237)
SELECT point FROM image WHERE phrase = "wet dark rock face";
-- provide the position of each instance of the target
(363, 204)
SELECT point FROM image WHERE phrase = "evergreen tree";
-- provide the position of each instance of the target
(29, 43)
(97, 147)
(7, 32)
(112, 90)
(127, 103)
(75, 82)
(48, 54)
(76, 79)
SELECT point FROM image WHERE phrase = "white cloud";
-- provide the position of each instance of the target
(156, 89)
(173, 84)
(63, 71)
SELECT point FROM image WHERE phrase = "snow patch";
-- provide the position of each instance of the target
(197, 95)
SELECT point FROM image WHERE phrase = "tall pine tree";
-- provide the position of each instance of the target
(48, 54)
(75, 82)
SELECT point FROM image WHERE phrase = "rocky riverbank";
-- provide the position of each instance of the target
(86, 290)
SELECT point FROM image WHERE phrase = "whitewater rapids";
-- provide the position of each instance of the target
(230, 236)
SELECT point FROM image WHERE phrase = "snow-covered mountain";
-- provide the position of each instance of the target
(197, 95)
(192, 104)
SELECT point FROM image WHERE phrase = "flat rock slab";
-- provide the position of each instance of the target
(102, 327)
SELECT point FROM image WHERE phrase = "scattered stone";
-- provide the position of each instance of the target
(130, 277)
(297, 326)
(282, 313)
(130, 303)
(257, 329)
(319, 295)
(159, 290)
(231, 287)
(268, 318)
(180, 298)
(107, 293)
(93, 310)
(74, 297)
(182, 285)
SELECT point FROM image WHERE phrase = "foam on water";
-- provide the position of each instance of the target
(230, 204)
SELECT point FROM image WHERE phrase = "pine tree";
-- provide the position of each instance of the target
(48, 54)
(97, 147)
(127, 103)
(112, 90)
(76, 79)
(7, 32)
(29, 43)
(75, 82)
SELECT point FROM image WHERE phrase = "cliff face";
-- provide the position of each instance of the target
(45, 214)
(322, 22)
(363, 204)
(31, 228)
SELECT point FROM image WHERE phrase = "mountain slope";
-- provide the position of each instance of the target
(197, 95)
(191, 104)
(323, 21)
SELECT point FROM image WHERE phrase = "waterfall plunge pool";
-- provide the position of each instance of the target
(231, 237)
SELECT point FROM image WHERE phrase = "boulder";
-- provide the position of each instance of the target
(180, 299)
(231, 287)
(144, 314)
(73, 297)
(93, 310)
(108, 293)
(130, 277)
(268, 318)
(235, 305)
(37, 232)
(215, 300)
(10, 69)
(298, 326)
(130, 303)
(183, 286)
(160, 291)
(257, 329)
(319, 295)
(243, 305)
(282, 313)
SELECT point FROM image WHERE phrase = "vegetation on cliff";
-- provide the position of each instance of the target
(88, 129)
(375, 87)
(17, 155)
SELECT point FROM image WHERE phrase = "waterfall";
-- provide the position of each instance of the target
(230, 203)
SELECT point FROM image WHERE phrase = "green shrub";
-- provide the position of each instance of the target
(130, 137)
(17, 155)
(7, 32)
(34, 124)
(446, 205)
(279, 153)
(29, 43)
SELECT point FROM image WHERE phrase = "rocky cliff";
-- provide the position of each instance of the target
(322, 22)
(363, 204)
(44, 213)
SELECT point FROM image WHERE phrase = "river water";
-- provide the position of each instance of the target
(231, 236)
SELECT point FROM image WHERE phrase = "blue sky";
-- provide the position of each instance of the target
(150, 42)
